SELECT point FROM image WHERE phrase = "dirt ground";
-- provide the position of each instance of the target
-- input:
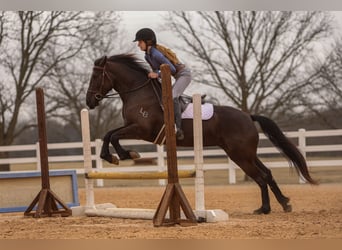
(317, 214)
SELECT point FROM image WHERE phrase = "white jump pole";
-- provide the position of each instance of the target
(198, 152)
(89, 183)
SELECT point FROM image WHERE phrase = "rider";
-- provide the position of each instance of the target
(156, 55)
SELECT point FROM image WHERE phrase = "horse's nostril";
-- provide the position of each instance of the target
(91, 104)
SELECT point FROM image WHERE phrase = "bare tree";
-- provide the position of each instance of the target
(69, 81)
(325, 93)
(2, 23)
(23, 59)
(257, 59)
(331, 73)
(3, 102)
(36, 45)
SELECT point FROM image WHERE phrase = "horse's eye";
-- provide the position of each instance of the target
(98, 97)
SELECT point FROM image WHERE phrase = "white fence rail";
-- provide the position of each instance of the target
(301, 135)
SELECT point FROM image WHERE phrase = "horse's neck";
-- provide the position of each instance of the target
(135, 89)
(145, 97)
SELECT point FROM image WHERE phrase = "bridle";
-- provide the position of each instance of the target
(97, 93)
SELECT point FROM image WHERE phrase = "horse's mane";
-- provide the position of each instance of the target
(129, 60)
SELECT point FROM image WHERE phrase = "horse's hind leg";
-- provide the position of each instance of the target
(265, 207)
(283, 200)
(265, 198)
(252, 171)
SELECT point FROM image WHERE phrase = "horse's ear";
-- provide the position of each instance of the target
(103, 60)
(100, 61)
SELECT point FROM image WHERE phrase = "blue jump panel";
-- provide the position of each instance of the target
(13, 176)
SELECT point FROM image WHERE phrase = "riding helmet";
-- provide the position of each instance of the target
(146, 34)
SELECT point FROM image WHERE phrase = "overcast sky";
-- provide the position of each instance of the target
(135, 20)
(132, 21)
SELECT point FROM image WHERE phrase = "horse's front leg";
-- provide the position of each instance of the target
(113, 136)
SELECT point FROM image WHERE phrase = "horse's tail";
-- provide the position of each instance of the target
(291, 152)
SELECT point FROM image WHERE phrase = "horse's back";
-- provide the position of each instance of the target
(228, 125)
(236, 133)
(233, 120)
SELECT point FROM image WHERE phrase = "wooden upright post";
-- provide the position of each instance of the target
(46, 200)
(173, 197)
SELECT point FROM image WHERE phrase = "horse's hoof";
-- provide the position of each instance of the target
(115, 160)
(262, 211)
(287, 208)
(134, 155)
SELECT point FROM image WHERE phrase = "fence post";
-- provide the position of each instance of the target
(231, 171)
(161, 162)
(302, 148)
(99, 163)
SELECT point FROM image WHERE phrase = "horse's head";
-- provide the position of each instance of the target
(100, 83)
(124, 73)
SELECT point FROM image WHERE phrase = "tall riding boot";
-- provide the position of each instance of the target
(178, 118)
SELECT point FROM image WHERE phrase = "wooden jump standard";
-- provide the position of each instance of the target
(46, 199)
(174, 197)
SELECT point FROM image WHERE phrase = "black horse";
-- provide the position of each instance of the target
(229, 128)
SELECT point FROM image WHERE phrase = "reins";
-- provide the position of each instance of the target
(132, 90)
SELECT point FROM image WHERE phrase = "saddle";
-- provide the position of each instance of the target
(185, 100)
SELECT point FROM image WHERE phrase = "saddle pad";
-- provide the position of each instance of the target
(207, 111)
